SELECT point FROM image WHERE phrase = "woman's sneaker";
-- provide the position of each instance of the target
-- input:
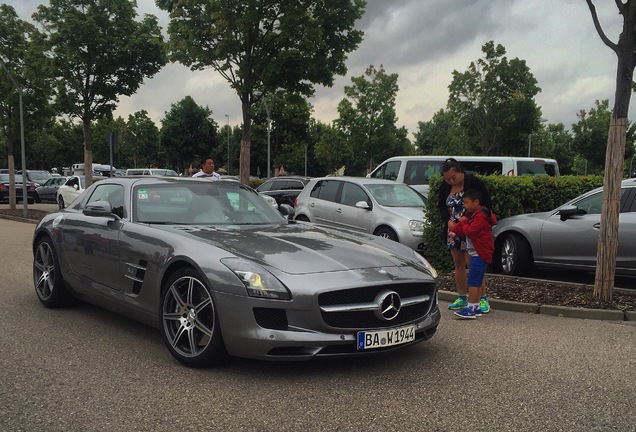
(484, 305)
(468, 313)
(458, 304)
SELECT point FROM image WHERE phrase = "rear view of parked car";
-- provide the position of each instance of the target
(4, 189)
(381, 207)
(283, 189)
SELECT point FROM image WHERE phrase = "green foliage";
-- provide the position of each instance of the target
(510, 196)
(188, 133)
(140, 145)
(493, 102)
(442, 135)
(367, 119)
(259, 47)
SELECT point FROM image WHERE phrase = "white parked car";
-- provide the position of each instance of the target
(375, 206)
(70, 190)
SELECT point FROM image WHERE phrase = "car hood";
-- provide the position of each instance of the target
(301, 249)
(523, 220)
(412, 213)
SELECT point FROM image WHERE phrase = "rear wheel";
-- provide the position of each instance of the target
(47, 277)
(190, 324)
(386, 233)
(60, 202)
(515, 255)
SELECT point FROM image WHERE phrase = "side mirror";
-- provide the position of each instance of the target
(363, 205)
(76, 187)
(568, 211)
(99, 209)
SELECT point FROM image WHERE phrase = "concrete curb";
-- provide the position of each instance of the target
(561, 311)
(19, 219)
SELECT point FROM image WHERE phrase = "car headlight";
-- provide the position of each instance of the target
(258, 281)
(416, 225)
(422, 261)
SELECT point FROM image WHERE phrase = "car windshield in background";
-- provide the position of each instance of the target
(205, 203)
(396, 195)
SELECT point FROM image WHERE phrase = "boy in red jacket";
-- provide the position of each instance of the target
(476, 226)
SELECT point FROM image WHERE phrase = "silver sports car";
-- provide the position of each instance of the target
(219, 271)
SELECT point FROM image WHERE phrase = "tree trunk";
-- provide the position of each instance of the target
(88, 154)
(244, 162)
(607, 245)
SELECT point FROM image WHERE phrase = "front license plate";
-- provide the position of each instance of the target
(385, 338)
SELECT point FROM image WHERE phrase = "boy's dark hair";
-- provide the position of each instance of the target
(473, 195)
(451, 164)
(204, 159)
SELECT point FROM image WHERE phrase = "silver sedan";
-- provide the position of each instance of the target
(566, 237)
(375, 206)
(220, 271)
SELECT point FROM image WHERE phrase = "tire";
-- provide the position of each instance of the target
(60, 203)
(47, 278)
(189, 321)
(302, 218)
(386, 233)
(514, 255)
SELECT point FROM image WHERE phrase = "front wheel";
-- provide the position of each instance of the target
(387, 233)
(514, 255)
(190, 324)
(47, 277)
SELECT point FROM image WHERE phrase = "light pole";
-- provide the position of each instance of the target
(228, 143)
(25, 212)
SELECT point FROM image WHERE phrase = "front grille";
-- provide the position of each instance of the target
(351, 319)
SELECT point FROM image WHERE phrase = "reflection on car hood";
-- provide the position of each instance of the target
(413, 213)
(521, 220)
(298, 248)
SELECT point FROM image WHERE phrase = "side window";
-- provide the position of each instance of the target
(591, 204)
(418, 172)
(114, 194)
(389, 171)
(265, 187)
(326, 190)
(294, 184)
(351, 194)
(482, 167)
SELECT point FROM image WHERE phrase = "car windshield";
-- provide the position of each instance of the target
(41, 176)
(202, 202)
(395, 195)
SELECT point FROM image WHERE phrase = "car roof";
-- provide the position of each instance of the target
(360, 180)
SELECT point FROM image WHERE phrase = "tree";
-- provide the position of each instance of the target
(188, 133)
(23, 71)
(100, 53)
(441, 136)
(608, 235)
(259, 47)
(141, 144)
(367, 118)
(494, 102)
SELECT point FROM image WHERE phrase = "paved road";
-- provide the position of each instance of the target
(84, 369)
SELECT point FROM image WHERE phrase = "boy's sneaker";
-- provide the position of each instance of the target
(468, 313)
(484, 305)
(458, 304)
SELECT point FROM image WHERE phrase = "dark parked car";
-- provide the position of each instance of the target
(4, 189)
(566, 237)
(47, 192)
(284, 189)
(220, 271)
(39, 177)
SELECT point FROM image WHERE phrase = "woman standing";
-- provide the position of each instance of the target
(451, 209)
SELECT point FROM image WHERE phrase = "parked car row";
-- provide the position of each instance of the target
(5, 185)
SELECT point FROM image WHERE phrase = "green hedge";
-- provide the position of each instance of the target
(510, 196)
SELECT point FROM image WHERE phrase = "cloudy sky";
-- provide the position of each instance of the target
(423, 41)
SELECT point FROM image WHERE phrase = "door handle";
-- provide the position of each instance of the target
(338, 210)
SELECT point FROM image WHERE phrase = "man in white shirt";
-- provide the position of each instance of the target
(207, 169)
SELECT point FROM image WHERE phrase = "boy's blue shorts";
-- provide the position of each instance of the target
(476, 271)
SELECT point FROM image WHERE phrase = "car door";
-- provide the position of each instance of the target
(47, 190)
(347, 215)
(322, 201)
(574, 241)
(92, 246)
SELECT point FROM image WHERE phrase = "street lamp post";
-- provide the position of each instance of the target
(228, 143)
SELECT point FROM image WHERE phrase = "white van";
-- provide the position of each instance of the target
(416, 170)
(151, 172)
